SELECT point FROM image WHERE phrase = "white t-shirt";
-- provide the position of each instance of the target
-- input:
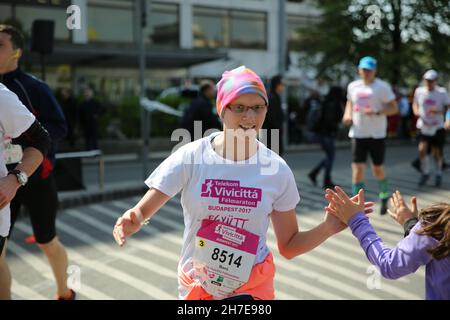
(14, 119)
(369, 97)
(232, 192)
(436, 100)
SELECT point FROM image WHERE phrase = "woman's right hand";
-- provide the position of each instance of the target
(400, 211)
(129, 223)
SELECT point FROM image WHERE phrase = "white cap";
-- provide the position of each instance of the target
(430, 75)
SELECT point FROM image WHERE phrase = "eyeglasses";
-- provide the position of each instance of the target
(239, 108)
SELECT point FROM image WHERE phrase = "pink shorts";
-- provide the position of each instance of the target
(259, 285)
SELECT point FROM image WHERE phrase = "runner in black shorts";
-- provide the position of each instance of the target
(368, 146)
(369, 102)
(40, 200)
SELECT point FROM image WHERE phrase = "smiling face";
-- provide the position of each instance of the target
(249, 120)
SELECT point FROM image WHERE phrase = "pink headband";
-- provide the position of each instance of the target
(237, 82)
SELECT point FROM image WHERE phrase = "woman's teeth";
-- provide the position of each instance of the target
(247, 127)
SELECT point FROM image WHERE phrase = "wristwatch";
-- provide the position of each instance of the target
(20, 175)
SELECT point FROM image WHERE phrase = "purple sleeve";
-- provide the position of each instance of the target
(409, 254)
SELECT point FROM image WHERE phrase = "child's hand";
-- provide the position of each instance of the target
(368, 206)
(335, 225)
(342, 206)
(400, 211)
(129, 223)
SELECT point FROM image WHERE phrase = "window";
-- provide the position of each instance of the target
(209, 28)
(163, 25)
(5, 12)
(295, 23)
(111, 23)
(215, 28)
(26, 15)
(248, 30)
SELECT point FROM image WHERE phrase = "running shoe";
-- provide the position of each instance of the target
(312, 176)
(384, 206)
(423, 180)
(438, 181)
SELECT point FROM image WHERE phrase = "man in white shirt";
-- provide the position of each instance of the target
(369, 102)
(430, 104)
(15, 120)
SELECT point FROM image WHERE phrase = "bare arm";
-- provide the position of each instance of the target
(292, 242)
(390, 108)
(447, 118)
(131, 221)
(415, 108)
(347, 118)
(31, 160)
(9, 185)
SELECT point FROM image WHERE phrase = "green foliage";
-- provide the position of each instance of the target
(413, 36)
(127, 113)
(164, 124)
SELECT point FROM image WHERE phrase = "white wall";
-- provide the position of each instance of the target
(263, 62)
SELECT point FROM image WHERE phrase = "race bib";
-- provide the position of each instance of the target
(363, 102)
(224, 256)
(13, 153)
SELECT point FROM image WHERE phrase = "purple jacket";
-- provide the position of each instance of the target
(409, 254)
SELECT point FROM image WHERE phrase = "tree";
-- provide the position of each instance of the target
(406, 36)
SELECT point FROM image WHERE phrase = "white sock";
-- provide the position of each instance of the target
(425, 165)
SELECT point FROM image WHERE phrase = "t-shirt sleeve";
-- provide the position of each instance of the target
(416, 96)
(289, 196)
(15, 117)
(349, 92)
(446, 99)
(171, 175)
(387, 95)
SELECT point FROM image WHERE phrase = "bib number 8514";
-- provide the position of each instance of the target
(223, 255)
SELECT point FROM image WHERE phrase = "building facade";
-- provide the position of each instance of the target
(183, 38)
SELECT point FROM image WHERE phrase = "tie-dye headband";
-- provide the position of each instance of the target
(238, 82)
